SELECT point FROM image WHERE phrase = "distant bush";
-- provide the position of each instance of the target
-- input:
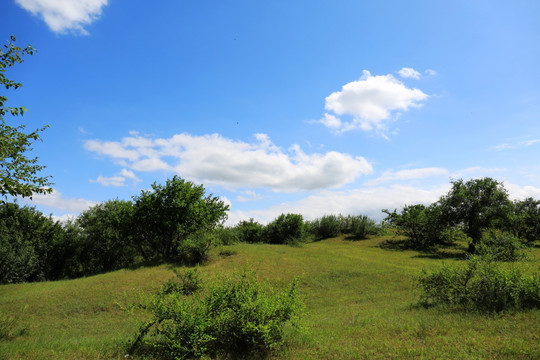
(285, 229)
(500, 246)
(238, 318)
(326, 227)
(195, 248)
(481, 284)
(361, 226)
(422, 225)
(225, 235)
(249, 231)
(525, 220)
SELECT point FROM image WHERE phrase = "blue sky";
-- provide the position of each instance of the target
(311, 107)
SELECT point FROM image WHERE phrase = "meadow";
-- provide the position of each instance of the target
(360, 303)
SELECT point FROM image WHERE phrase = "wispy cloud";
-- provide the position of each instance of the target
(213, 159)
(371, 101)
(118, 179)
(62, 16)
(517, 145)
(408, 174)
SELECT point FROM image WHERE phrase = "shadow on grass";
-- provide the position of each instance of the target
(449, 251)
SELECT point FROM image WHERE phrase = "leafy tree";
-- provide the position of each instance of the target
(19, 174)
(170, 213)
(526, 219)
(106, 234)
(27, 238)
(249, 231)
(421, 224)
(476, 204)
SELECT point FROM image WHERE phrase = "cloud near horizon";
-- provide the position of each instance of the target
(371, 101)
(64, 16)
(213, 159)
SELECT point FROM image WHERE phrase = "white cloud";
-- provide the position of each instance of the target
(409, 174)
(409, 73)
(118, 179)
(431, 72)
(55, 200)
(65, 15)
(517, 145)
(249, 195)
(371, 101)
(213, 159)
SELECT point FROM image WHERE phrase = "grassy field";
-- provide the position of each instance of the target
(360, 303)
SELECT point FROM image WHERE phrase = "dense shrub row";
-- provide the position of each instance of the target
(481, 284)
(174, 222)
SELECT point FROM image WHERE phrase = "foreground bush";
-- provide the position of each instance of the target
(238, 318)
(481, 284)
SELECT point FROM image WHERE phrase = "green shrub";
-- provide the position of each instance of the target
(500, 246)
(249, 231)
(326, 227)
(238, 318)
(195, 248)
(481, 284)
(361, 226)
(285, 229)
(226, 235)
(422, 225)
(185, 282)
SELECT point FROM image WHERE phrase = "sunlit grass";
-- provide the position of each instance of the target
(360, 303)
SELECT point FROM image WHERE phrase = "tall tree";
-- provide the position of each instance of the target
(476, 204)
(19, 173)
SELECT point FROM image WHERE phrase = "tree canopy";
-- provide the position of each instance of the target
(19, 173)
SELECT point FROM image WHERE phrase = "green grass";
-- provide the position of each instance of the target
(360, 303)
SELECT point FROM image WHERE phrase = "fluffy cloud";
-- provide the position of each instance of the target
(118, 179)
(370, 101)
(409, 73)
(213, 159)
(68, 15)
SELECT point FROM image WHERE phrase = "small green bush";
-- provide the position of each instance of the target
(186, 282)
(326, 227)
(285, 229)
(249, 231)
(481, 284)
(195, 248)
(361, 226)
(238, 318)
(500, 246)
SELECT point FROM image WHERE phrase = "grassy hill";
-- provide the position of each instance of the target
(360, 300)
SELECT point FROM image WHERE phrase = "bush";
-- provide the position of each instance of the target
(500, 246)
(195, 248)
(525, 220)
(422, 225)
(285, 229)
(361, 226)
(326, 227)
(27, 241)
(482, 284)
(237, 318)
(185, 282)
(249, 231)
